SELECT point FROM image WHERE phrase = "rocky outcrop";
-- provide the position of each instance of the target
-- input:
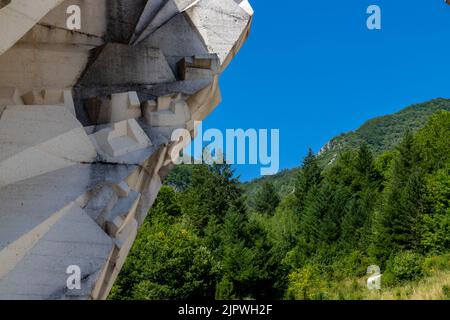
(86, 118)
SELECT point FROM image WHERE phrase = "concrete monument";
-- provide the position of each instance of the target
(86, 118)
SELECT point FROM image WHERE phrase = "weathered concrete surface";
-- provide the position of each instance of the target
(119, 64)
(120, 138)
(19, 16)
(40, 139)
(86, 118)
(155, 16)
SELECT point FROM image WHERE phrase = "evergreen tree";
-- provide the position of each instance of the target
(168, 260)
(200, 241)
(212, 191)
(180, 177)
(433, 141)
(398, 228)
(267, 200)
(436, 223)
(365, 166)
(166, 205)
(309, 177)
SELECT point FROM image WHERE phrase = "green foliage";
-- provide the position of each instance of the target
(385, 133)
(267, 199)
(404, 202)
(381, 135)
(283, 227)
(283, 182)
(305, 284)
(446, 292)
(167, 262)
(308, 178)
(433, 141)
(180, 177)
(351, 265)
(212, 191)
(403, 267)
(366, 209)
(435, 263)
(435, 233)
(200, 243)
(166, 206)
(225, 290)
(384, 200)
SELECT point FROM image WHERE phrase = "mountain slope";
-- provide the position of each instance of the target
(381, 134)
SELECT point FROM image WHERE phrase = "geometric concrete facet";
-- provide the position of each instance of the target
(81, 158)
(49, 97)
(118, 64)
(10, 96)
(39, 139)
(121, 106)
(20, 16)
(122, 138)
(167, 112)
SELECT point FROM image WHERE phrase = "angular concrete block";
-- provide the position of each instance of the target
(122, 138)
(10, 96)
(39, 65)
(125, 106)
(122, 189)
(118, 107)
(197, 73)
(191, 68)
(68, 238)
(73, 195)
(122, 212)
(20, 16)
(123, 15)
(207, 27)
(168, 111)
(205, 101)
(177, 38)
(246, 6)
(151, 9)
(39, 139)
(185, 87)
(102, 199)
(221, 24)
(94, 24)
(153, 19)
(118, 64)
(50, 96)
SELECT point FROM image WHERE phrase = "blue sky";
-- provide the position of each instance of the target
(313, 70)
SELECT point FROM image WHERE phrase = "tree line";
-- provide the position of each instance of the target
(202, 241)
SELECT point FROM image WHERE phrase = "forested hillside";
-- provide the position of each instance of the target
(380, 134)
(378, 203)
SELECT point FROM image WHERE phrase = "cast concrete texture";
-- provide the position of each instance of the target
(86, 119)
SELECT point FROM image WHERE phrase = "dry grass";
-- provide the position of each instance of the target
(434, 287)
(430, 288)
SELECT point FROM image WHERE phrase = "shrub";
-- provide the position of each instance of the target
(403, 267)
(436, 263)
(224, 290)
(446, 292)
(354, 264)
(305, 284)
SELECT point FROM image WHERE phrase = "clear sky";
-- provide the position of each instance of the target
(312, 69)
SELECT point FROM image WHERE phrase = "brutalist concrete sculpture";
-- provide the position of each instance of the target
(86, 118)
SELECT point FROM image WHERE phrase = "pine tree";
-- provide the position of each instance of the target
(248, 267)
(364, 160)
(212, 191)
(433, 141)
(309, 177)
(401, 213)
(267, 199)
